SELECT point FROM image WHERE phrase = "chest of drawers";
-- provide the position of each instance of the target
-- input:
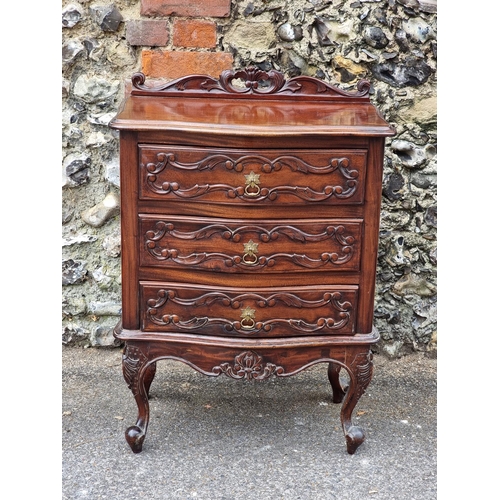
(250, 214)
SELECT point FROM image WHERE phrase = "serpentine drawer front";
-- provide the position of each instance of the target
(265, 177)
(256, 312)
(236, 246)
(249, 220)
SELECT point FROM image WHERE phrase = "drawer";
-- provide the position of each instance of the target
(255, 312)
(247, 177)
(231, 246)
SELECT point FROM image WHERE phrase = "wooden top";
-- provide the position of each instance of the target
(264, 104)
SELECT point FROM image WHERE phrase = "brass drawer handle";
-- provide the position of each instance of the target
(250, 255)
(252, 184)
(248, 321)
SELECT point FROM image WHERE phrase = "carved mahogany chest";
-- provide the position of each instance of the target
(250, 214)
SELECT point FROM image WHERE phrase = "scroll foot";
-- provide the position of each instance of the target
(135, 437)
(354, 437)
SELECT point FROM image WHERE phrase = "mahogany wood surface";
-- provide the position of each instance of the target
(248, 312)
(236, 246)
(250, 215)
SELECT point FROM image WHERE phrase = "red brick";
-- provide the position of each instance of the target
(195, 33)
(188, 8)
(171, 65)
(147, 32)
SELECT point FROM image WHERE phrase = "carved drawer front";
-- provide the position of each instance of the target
(263, 177)
(243, 246)
(256, 312)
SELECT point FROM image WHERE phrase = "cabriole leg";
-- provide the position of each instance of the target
(361, 370)
(138, 375)
(149, 375)
(334, 377)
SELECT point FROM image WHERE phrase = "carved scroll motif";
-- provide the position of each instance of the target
(340, 165)
(334, 300)
(249, 82)
(335, 233)
(362, 367)
(250, 366)
(133, 360)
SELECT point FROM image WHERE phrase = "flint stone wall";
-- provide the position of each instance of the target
(392, 43)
